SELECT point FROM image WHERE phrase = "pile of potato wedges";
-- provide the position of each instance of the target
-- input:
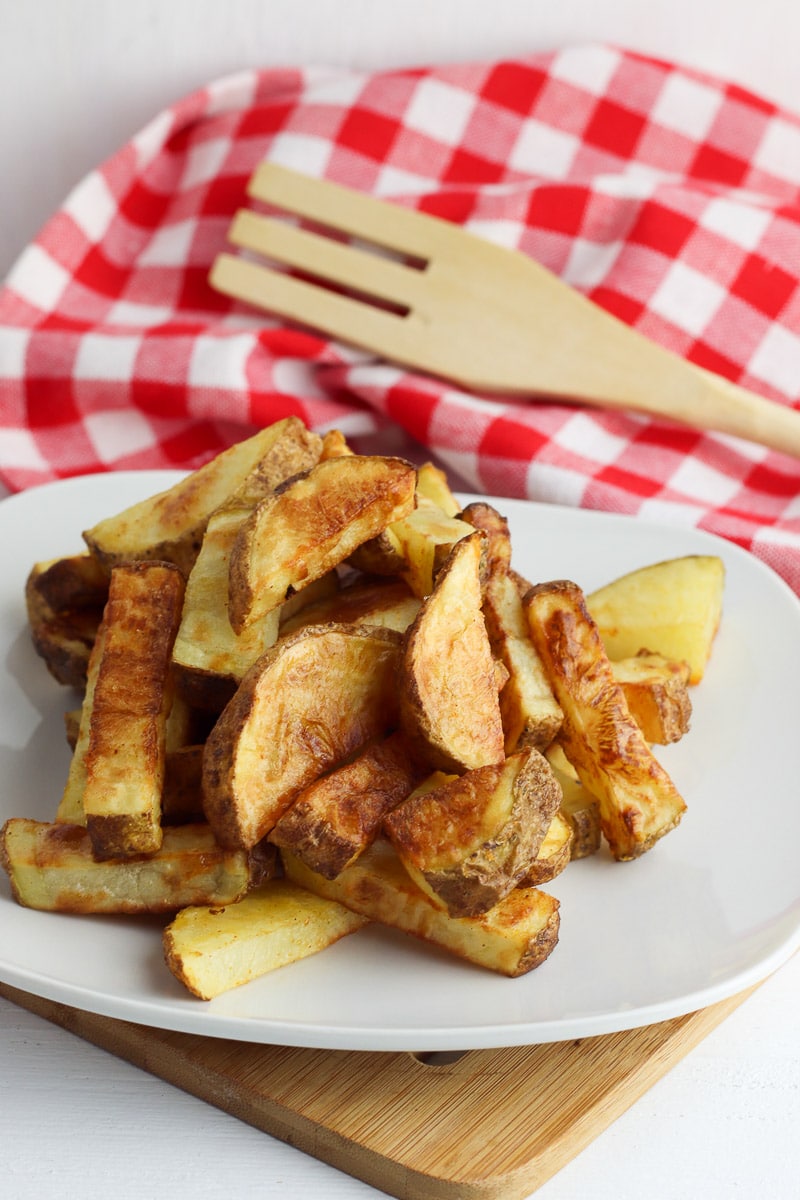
(312, 691)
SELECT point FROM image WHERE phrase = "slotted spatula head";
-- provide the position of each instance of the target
(424, 293)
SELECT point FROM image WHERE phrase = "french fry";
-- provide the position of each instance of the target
(488, 520)
(214, 949)
(52, 867)
(638, 801)
(132, 698)
(511, 939)
(169, 527)
(210, 658)
(70, 808)
(353, 686)
(530, 712)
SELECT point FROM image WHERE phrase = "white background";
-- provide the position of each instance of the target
(79, 77)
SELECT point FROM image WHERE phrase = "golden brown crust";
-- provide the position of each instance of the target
(333, 820)
(64, 600)
(475, 836)
(449, 708)
(170, 526)
(309, 525)
(484, 517)
(53, 868)
(364, 602)
(638, 801)
(283, 729)
(657, 694)
(512, 938)
(132, 697)
(530, 713)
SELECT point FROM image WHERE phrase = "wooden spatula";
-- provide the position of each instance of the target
(426, 294)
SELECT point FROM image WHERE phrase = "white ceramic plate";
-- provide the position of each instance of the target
(714, 908)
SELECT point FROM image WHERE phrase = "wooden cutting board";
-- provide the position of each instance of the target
(492, 1125)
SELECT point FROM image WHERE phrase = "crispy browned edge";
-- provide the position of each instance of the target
(415, 718)
(487, 874)
(571, 648)
(397, 489)
(333, 820)
(222, 745)
(141, 620)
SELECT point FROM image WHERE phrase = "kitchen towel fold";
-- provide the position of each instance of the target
(669, 197)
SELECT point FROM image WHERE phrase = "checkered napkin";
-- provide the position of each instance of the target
(669, 197)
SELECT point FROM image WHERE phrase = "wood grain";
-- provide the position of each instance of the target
(492, 1125)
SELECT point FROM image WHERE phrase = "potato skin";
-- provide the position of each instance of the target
(311, 524)
(64, 599)
(282, 729)
(512, 938)
(170, 526)
(132, 698)
(474, 837)
(449, 707)
(638, 801)
(333, 820)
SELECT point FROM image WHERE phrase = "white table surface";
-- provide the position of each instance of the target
(78, 1122)
(79, 78)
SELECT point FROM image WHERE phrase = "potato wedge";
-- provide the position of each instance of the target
(310, 525)
(212, 950)
(530, 712)
(385, 602)
(210, 657)
(70, 807)
(639, 803)
(483, 516)
(64, 598)
(469, 841)
(334, 819)
(308, 704)
(424, 539)
(52, 867)
(672, 608)
(512, 938)
(555, 853)
(131, 702)
(170, 525)
(432, 484)
(657, 694)
(449, 707)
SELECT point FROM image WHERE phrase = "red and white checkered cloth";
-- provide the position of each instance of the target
(669, 197)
